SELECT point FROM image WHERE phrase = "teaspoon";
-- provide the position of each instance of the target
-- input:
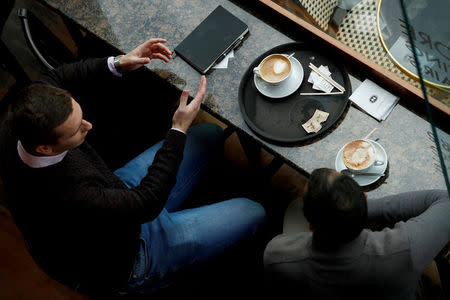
(290, 55)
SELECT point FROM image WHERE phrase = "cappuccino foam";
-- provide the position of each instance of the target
(358, 154)
(275, 68)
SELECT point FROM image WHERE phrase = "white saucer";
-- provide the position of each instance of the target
(364, 180)
(285, 88)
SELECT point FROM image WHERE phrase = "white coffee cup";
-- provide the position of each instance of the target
(274, 69)
(359, 155)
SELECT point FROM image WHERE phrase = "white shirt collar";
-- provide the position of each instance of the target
(38, 161)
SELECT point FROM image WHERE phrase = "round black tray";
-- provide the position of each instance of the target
(280, 119)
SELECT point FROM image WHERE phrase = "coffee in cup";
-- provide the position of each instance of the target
(359, 155)
(274, 68)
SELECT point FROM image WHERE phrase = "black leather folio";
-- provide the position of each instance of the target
(212, 39)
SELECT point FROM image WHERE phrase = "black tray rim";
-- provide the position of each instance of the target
(277, 140)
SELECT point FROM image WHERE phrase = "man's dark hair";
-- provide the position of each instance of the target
(335, 206)
(36, 112)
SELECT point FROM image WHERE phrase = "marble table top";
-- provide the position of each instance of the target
(406, 137)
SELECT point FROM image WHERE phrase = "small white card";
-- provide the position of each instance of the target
(374, 100)
(223, 64)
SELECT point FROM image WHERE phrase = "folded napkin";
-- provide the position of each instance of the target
(374, 100)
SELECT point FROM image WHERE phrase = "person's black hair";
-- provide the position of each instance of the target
(36, 112)
(335, 206)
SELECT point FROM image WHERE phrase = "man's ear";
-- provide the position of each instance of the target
(305, 188)
(45, 150)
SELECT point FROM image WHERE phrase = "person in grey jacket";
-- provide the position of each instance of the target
(341, 259)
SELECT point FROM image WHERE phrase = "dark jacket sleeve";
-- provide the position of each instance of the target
(426, 217)
(144, 202)
(80, 75)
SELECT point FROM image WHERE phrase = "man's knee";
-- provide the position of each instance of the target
(254, 210)
(208, 133)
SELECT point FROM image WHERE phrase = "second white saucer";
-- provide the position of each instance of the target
(285, 88)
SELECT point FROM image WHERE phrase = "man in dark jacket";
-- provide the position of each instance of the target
(103, 231)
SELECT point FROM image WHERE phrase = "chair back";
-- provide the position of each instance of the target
(9, 63)
(47, 48)
(320, 10)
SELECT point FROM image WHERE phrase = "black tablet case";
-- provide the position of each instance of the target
(212, 39)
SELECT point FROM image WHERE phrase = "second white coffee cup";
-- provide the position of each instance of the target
(359, 155)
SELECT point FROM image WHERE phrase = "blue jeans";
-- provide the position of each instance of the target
(177, 240)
